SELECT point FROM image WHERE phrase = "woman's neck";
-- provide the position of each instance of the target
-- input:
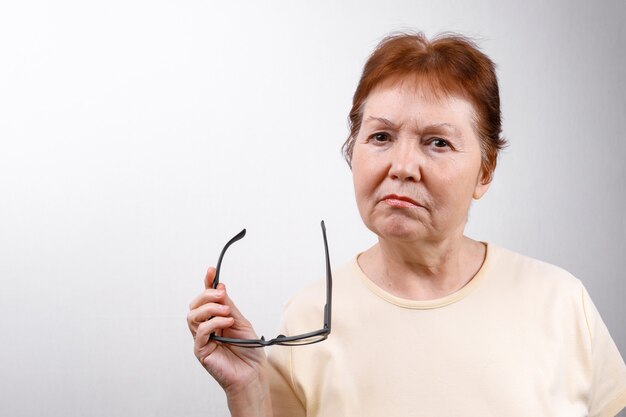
(423, 270)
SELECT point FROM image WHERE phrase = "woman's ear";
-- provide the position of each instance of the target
(482, 185)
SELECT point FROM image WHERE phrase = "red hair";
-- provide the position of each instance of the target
(451, 65)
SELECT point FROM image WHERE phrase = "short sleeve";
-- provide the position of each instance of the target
(285, 402)
(608, 389)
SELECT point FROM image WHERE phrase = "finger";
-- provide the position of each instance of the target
(209, 295)
(206, 311)
(208, 278)
(204, 353)
(208, 327)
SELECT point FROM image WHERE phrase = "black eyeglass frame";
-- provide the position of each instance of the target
(298, 340)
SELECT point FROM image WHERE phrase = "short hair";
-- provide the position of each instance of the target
(450, 64)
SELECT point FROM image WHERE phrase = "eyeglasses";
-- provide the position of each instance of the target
(301, 339)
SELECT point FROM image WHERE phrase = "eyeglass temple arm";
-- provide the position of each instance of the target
(237, 237)
(329, 281)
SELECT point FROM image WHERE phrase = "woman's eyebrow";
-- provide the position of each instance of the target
(427, 128)
(438, 126)
(386, 122)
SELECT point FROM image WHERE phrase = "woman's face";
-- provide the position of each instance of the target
(416, 164)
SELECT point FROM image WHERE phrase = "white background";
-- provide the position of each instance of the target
(136, 137)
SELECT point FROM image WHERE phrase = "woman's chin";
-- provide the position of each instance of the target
(400, 230)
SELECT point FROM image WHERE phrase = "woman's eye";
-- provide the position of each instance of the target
(380, 137)
(440, 143)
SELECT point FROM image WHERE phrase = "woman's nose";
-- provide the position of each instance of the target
(406, 162)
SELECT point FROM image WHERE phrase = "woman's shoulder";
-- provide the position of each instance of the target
(521, 269)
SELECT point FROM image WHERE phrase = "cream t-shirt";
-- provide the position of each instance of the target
(522, 338)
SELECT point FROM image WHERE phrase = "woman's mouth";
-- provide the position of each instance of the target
(400, 201)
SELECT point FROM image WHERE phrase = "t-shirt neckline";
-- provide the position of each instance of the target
(427, 304)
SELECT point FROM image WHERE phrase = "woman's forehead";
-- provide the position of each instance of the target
(392, 100)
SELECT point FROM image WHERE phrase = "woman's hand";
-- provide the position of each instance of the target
(240, 371)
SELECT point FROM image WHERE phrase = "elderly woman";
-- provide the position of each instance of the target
(426, 322)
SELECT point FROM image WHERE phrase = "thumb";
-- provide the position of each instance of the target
(209, 277)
